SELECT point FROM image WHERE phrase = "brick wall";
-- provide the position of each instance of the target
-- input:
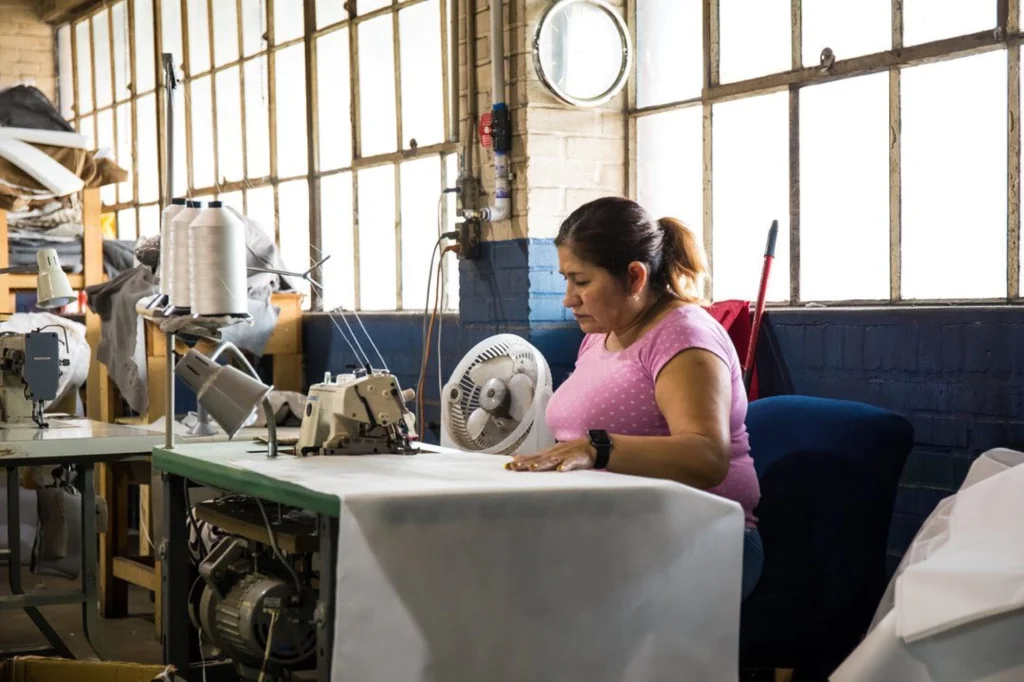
(26, 48)
(575, 155)
(956, 373)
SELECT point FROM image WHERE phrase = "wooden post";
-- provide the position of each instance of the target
(5, 287)
(101, 407)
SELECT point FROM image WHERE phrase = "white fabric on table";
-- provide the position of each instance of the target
(953, 611)
(452, 569)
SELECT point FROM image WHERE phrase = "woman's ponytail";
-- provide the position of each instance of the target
(614, 232)
(684, 262)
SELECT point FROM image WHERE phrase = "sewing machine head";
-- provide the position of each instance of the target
(356, 414)
(29, 375)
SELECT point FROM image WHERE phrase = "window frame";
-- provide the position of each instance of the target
(268, 51)
(1005, 35)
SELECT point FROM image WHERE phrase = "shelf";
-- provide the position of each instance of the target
(27, 282)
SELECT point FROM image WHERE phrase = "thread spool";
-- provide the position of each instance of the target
(181, 290)
(167, 245)
(217, 262)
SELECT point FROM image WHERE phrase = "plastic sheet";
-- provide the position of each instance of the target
(452, 569)
(953, 611)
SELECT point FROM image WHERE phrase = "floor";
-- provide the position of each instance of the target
(124, 639)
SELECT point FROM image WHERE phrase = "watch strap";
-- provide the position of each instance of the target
(603, 448)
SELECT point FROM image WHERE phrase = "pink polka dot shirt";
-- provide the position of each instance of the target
(614, 391)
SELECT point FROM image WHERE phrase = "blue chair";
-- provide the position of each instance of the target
(829, 472)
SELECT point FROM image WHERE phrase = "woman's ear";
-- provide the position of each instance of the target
(638, 276)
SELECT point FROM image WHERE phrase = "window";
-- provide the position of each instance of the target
(844, 190)
(670, 61)
(955, 247)
(751, 189)
(888, 175)
(241, 132)
(850, 29)
(755, 38)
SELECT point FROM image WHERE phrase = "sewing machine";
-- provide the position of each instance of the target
(356, 414)
(29, 375)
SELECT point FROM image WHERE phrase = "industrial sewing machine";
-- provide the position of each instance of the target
(29, 375)
(356, 414)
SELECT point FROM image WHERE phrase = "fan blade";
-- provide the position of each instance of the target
(521, 390)
(501, 428)
(493, 394)
(525, 364)
(477, 423)
(501, 367)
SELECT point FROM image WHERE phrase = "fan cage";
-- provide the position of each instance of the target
(469, 399)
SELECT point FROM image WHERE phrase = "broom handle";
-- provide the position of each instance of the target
(769, 256)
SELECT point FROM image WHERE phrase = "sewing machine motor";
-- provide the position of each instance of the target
(30, 368)
(356, 414)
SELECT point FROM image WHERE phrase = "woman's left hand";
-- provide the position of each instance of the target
(568, 456)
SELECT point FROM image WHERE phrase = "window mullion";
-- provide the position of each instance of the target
(395, 38)
(133, 98)
(712, 61)
(241, 104)
(895, 161)
(313, 150)
(187, 86)
(796, 47)
(631, 99)
(1011, 21)
(215, 149)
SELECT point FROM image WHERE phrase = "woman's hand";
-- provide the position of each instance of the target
(567, 456)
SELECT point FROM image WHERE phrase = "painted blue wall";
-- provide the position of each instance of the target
(514, 287)
(957, 373)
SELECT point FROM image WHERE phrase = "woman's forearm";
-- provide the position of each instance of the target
(692, 459)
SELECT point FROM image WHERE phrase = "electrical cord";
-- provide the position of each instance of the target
(428, 333)
(192, 520)
(62, 328)
(426, 357)
(270, 640)
(454, 248)
(277, 552)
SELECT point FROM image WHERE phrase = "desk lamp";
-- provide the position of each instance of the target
(52, 287)
(204, 425)
(228, 394)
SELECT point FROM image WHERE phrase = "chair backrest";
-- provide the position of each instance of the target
(854, 432)
(829, 472)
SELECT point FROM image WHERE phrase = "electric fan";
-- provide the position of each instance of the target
(496, 399)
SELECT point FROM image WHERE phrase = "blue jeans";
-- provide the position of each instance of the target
(753, 560)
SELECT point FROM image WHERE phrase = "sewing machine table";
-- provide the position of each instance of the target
(67, 441)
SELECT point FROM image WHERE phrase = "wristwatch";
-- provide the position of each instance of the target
(603, 445)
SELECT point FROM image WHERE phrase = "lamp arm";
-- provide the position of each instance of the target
(232, 350)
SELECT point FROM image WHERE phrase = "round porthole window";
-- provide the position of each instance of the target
(582, 51)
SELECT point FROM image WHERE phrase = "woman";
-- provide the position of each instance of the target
(658, 389)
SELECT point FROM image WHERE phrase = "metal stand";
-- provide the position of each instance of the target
(86, 595)
(169, 393)
(327, 528)
(174, 574)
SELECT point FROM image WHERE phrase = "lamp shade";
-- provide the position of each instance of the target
(228, 394)
(52, 287)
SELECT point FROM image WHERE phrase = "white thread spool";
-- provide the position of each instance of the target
(167, 245)
(217, 258)
(181, 291)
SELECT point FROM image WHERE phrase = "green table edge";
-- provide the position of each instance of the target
(233, 479)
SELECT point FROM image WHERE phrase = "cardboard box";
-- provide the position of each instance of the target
(38, 669)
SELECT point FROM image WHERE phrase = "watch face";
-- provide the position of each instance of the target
(598, 437)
